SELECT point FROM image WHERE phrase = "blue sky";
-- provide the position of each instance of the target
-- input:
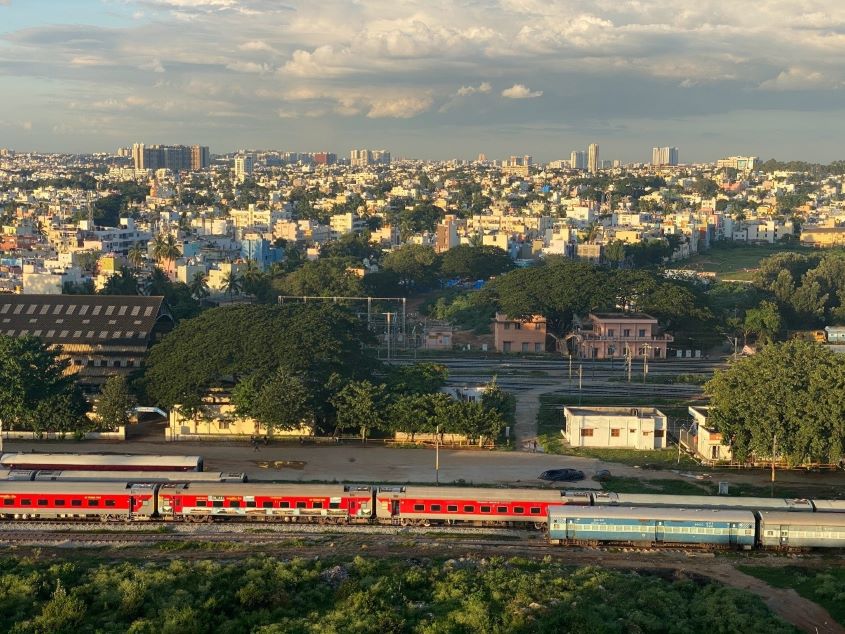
(433, 79)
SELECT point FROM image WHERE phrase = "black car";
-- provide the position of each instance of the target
(561, 475)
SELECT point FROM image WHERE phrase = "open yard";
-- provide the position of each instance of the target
(825, 587)
(734, 261)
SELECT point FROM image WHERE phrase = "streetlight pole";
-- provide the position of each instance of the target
(580, 381)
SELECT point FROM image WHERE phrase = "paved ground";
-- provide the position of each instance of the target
(525, 430)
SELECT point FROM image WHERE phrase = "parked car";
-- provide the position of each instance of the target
(561, 475)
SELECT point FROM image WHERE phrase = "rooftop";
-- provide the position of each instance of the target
(613, 411)
(623, 316)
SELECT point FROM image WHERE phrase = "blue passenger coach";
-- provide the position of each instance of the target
(724, 528)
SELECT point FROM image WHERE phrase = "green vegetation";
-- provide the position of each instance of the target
(664, 379)
(36, 393)
(824, 586)
(664, 487)
(366, 594)
(115, 403)
(788, 400)
(735, 260)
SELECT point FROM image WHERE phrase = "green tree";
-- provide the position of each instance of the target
(359, 405)
(136, 255)
(199, 285)
(123, 282)
(282, 402)
(36, 393)
(495, 399)
(115, 403)
(763, 322)
(415, 264)
(788, 399)
(232, 284)
(419, 378)
(330, 277)
(475, 263)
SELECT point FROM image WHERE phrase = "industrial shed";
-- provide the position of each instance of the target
(101, 335)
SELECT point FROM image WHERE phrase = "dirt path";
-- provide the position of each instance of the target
(525, 430)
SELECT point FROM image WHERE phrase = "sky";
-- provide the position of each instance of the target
(433, 79)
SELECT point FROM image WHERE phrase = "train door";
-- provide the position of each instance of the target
(784, 536)
(658, 531)
(394, 508)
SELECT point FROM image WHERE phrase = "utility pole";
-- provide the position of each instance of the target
(628, 362)
(570, 366)
(437, 456)
(774, 452)
(580, 381)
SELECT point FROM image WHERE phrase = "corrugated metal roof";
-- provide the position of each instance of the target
(84, 319)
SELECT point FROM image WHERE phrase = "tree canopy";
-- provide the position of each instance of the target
(475, 263)
(227, 344)
(114, 403)
(35, 392)
(788, 398)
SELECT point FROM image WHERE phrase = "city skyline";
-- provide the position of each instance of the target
(432, 81)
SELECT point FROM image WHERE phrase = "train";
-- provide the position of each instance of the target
(98, 462)
(567, 517)
(123, 476)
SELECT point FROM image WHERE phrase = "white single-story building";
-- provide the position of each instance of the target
(703, 440)
(615, 427)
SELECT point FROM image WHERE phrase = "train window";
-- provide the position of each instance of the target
(76, 502)
(8, 502)
(485, 509)
(419, 507)
(42, 502)
(317, 505)
(436, 508)
(250, 504)
(59, 502)
(235, 504)
(301, 505)
(334, 505)
(284, 505)
(535, 510)
(93, 502)
(469, 508)
(452, 508)
(201, 502)
(111, 503)
(267, 505)
(501, 509)
(518, 509)
(26, 502)
(217, 504)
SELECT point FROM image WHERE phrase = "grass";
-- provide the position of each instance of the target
(665, 487)
(665, 379)
(737, 261)
(825, 587)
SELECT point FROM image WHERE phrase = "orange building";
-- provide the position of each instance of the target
(519, 335)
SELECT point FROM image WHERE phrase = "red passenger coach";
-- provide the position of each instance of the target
(204, 501)
(76, 500)
(426, 505)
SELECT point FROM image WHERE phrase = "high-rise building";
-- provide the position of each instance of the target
(664, 156)
(176, 158)
(244, 164)
(363, 158)
(325, 158)
(578, 160)
(593, 157)
(739, 163)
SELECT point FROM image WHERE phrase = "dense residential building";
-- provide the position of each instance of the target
(641, 428)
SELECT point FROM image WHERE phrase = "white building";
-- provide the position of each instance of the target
(244, 165)
(620, 427)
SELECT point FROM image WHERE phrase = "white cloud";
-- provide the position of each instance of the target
(483, 87)
(398, 108)
(801, 78)
(521, 91)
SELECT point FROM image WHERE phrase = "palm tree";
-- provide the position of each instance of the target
(251, 278)
(232, 283)
(136, 255)
(171, 249)
(199, 285)
(159, 245)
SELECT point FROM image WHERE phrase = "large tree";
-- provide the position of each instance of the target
(36, 392)
(475, 263)
(415, 264)
(317, 342)
(360, 405)
(788, 399)
(282, 401)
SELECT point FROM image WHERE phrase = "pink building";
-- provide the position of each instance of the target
(519, 335)
(611, 335)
